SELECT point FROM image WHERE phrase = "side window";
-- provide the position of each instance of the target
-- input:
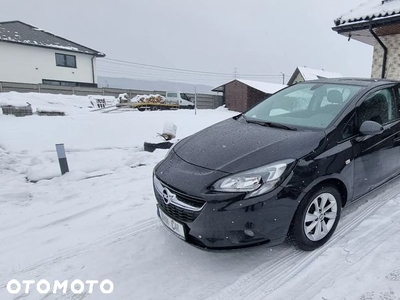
(185, 97)
(350, 129)
(379, 107)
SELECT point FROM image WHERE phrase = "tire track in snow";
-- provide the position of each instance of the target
(369, 240)
(112, 238)
(262, 281)
(360, 245)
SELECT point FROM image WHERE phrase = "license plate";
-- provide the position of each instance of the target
(173, 225)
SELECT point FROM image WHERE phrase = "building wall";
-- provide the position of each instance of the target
(240, 97)
(29, 64)
(299, 78)
(236, 96)
(254, 97)
(393, 57)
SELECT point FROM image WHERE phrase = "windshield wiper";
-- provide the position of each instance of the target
(271, 124)
(244, 118)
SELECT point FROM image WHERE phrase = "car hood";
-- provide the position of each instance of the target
(234, 145)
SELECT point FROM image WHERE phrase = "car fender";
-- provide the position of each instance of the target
(346, 182)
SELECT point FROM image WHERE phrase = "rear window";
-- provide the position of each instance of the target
(173, 95)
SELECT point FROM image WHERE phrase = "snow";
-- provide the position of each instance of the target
(70, 48)
(371, 9)
(311, 74)
(28, 34)
(53, 102)
(99, 220)
(266, 87)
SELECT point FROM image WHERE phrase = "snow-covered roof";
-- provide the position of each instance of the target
(311, 74)
(22, 33)
(372, 9)
(266, 87)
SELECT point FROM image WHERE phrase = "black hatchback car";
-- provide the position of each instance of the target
(283, 169)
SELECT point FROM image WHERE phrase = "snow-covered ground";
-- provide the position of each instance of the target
(99, 221)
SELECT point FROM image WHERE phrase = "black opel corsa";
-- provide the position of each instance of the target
(283, 169)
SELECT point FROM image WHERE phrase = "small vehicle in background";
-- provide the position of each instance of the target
(179, 98)
(172, 100)
(148, 102)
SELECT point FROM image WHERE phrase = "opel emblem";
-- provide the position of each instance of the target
(168, 197)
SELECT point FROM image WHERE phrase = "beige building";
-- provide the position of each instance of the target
(376, 23)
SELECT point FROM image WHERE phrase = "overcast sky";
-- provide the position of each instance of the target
(256, 37)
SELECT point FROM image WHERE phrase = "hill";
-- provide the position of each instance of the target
(150, 85)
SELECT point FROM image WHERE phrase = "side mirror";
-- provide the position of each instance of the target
(371, 128)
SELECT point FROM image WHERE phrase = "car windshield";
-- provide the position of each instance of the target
(304, 105)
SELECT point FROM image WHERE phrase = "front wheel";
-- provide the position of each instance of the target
(316, 218)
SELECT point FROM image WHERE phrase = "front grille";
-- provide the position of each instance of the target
(184, 209)
(187, 199)
(177, 213)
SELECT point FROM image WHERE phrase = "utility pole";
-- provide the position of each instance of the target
(283, 78)
(195, 101)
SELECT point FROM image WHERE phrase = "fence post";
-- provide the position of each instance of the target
(62, 158)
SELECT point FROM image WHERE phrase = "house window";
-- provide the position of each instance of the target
(64, 60)
(58, 82)
(68, 83)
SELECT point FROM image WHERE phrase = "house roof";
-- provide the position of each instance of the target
(265, 87)
(370, 10)
(381, 15)
(311, 74)
(22, 33)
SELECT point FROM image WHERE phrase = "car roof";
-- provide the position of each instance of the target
(365, 82)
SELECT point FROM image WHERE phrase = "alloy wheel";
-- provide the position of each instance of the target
(320, 216)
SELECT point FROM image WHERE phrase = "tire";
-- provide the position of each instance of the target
(141, 109)
(316, 218)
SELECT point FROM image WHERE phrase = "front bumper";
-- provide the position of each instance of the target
(226, 220)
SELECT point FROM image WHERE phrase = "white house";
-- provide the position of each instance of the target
(32, 55)
(303, 74)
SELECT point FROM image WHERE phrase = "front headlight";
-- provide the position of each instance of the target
(255, 181)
